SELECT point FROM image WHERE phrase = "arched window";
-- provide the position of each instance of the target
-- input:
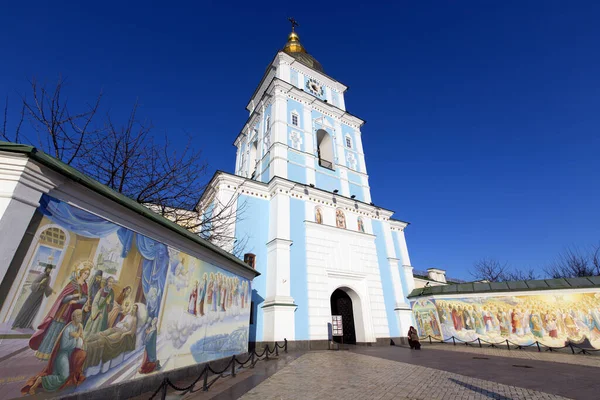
(253, 158)
(318, 215)
(294, 118)
(348, 142)
(325, 149)
(361, 225)
(340, 218)
(267, 123)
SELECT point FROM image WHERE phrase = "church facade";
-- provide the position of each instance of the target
(303, 208)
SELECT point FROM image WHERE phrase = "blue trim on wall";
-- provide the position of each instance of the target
(298, 275)
(396, 240)
(386, 278)
(357, 190)
(255, 226)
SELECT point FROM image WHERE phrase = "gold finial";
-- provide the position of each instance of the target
(293, 44)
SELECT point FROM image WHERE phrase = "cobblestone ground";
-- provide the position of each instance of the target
(346, 375)
(576, 359)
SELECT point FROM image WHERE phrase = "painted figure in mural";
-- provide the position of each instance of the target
(94, 286)
(468, 319)
(150, 363)
(435, 328)
(361, 226)
(457, 319)
(219, 292)
(106, 345)
(193, 299)
(116, 314)
(223, 292)
(318, 215)
(487, 319)
(504, 322)
(40, 287)
(210, 291)
(73, 297)
(551, 326)
(101, 307)
(572, 330)
(535, 325)
(202, 294)
(65, 364)
(479, 326)
(340, 219)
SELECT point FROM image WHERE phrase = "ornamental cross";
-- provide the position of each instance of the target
(293, 22)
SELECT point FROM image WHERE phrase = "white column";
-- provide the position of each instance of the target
(309, 145)
(401, 308)
(279, 306)
(22, 184)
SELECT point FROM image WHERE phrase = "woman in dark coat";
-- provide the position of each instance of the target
(413, 339)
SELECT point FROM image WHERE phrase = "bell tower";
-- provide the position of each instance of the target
(299, 129)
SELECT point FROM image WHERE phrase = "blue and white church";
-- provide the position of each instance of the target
(304, 210)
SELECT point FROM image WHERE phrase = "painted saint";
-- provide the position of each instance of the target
(40, 287)
(73, 297)
(101, 307)
(202, 294)
(318, 215)
(193, 299)
(94, 287)
(150, 363)
(65, 363)
(361, 226)
(116, 314)
(340, 219)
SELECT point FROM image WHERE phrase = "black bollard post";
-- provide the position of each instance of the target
(538, 346)
(233, 366)
(205, 383)
(163, 392)
(429, 339)
(285, 344)
(571, 346)
(479, 340)
(453, 340)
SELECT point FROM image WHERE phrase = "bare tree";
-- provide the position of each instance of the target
(489, 269)
(572, 263)
(520, 275)
(128, 158)
(492, 270)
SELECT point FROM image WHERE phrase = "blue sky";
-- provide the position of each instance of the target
(483, 118)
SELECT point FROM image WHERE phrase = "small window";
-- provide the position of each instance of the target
(267, 123)
(295, 119)
(348, 142)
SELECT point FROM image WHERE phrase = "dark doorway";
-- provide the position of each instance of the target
(341, 304)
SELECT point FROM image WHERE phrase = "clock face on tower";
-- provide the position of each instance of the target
(314, 87)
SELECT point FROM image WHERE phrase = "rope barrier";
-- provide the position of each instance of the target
(253, 358)
(507, 343)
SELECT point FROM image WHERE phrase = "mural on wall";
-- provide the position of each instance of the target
(100, 304)
(551, 319)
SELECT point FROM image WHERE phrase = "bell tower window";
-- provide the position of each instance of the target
(294, 119)
(253, 158)
(325, 149)
(348, 142)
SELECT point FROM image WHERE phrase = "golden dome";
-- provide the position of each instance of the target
(294, 48)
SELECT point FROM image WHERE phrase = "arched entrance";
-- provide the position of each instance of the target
(341, 304)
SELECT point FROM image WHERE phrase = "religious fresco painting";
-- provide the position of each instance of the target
(552, 319)
(99, 304)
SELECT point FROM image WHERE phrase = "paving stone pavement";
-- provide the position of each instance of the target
(348, 375)
(576, 359)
